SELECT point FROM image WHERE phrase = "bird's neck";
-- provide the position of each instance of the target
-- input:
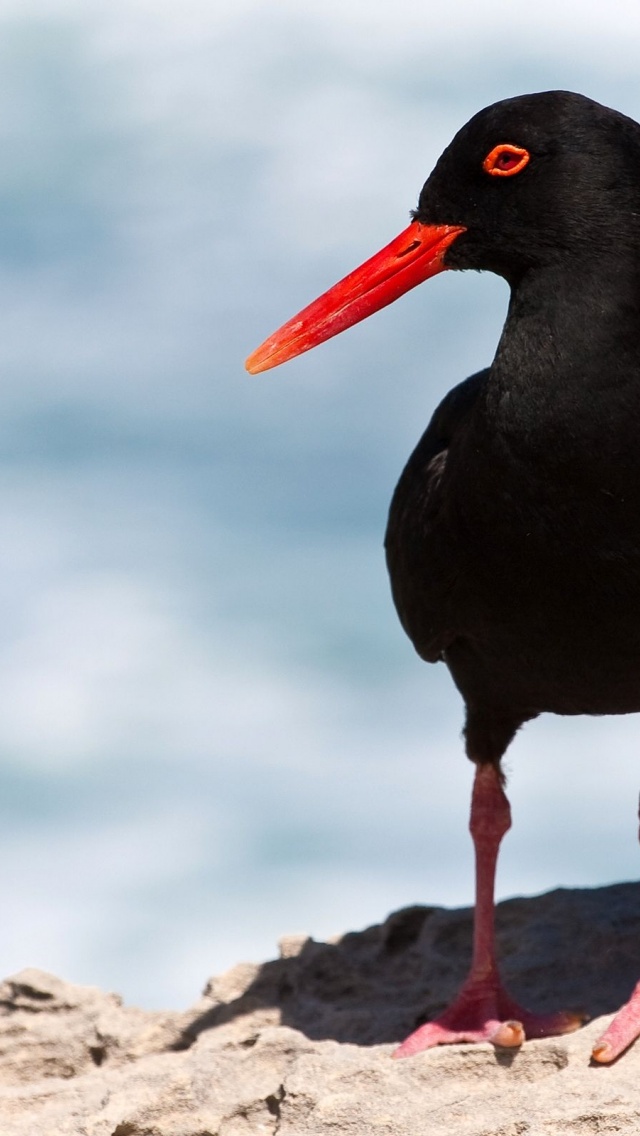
(570, 348)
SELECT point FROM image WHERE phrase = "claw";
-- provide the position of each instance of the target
(508, 1035)
(602, 1053)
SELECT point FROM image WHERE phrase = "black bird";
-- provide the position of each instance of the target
(513, 541)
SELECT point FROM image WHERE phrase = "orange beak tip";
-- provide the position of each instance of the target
(257, 361)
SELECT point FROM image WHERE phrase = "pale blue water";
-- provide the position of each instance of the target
(212, 729)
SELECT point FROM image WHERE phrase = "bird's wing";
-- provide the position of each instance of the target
(419, 557)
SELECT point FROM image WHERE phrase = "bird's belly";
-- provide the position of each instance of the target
(527, 618)
(547, 672)
(554, 628)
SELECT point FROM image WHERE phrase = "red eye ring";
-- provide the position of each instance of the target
(505, 160)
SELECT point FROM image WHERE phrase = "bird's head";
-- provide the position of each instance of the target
(527, 182)
(534, 180)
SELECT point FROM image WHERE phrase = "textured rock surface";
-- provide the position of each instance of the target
(301, 1046)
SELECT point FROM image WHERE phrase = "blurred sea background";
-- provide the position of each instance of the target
(212, 728)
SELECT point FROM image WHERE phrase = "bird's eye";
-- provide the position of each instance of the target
(505, 160)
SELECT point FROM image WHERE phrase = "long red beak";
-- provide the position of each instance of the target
(414, 256)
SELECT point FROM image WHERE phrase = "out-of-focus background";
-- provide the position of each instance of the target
(212, 728)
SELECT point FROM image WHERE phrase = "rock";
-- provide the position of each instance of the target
(301, 1046)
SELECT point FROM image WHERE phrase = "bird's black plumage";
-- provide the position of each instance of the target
(513, 541)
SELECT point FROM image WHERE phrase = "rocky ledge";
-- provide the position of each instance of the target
(301, 1046)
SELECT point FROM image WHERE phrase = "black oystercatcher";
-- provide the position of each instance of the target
(513, 541)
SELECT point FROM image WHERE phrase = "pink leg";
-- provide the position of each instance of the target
(483, 1011)
(624, 1029)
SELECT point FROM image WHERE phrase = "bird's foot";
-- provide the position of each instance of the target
(624, 1029)
(483, 1011)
